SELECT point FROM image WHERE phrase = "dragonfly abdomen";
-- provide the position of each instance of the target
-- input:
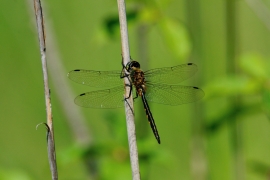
(150, 117)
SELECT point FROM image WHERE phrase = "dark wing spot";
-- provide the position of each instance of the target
(195, 87)
(82, 94)
(189, 63)
(77, 70)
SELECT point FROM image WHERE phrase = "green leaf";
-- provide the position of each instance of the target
(176, 36)
(231, 85)
(255, 65)
(13, 174)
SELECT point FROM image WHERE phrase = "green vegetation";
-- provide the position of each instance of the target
(223, 136)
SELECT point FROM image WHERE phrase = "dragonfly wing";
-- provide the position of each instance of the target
(173, 94)
(107, 99)
(96, 78)
(171, 75)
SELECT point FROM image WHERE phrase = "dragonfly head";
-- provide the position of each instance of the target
(132, 65)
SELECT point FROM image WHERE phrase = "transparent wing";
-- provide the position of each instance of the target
(173, 94)
(107, 99)
(96, 78)
(171, 75)
(158, 93)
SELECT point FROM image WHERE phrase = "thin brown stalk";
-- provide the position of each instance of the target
(42, 45)
(133, 150)
(73, 115)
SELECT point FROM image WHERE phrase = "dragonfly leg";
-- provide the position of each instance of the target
(136, 96)
(129, 97)
(123, 61)
(130, 90)
(123, 73)
(125, 68)
(130, 107)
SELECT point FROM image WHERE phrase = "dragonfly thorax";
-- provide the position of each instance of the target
(138, 80)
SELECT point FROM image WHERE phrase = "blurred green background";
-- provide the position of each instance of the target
(224, 136)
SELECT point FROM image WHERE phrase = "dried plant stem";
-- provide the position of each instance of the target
(133, 150)
(73, 116)
(50, 135)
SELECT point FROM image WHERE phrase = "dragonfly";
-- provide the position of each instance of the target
(158, 85)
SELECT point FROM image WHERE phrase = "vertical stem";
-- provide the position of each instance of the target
(198, 159)
(234, 101)
(129, 102)
(73, 116)
(50, 135)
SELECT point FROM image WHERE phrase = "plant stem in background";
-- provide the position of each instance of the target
(236, 127)
(73, 116)
(42, 45)
(199, 167)
(133, 150)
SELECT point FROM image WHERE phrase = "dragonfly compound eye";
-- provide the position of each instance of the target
(134, 64)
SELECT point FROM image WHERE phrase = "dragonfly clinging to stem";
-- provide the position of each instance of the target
(156, 85)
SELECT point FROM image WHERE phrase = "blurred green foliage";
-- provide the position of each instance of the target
(252, 80)
(224, 136)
